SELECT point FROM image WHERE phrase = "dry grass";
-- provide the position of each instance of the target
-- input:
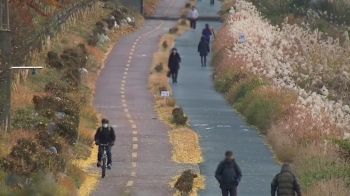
(22, 97)
(186, 146)
(220, 47)
(164, 109)
(150, 6)
(336, 187)
(8, 140)
(198, 184)
(292, 137)
(68, 184)
(23, 94)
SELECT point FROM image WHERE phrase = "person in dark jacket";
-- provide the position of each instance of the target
(228, 175)
(174, 64)
(285, 183)
(206, 32)
(203, 49)
(105, 135)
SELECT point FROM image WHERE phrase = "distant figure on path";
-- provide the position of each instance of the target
(285, 183)
(211, 2)
(193, 16)
(207, 32)
(174, 64)
(203, 49)
(228, 175)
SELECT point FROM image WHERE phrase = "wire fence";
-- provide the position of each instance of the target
(35, 41)
(22, 49)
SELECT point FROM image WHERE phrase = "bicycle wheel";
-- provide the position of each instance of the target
(104, 167)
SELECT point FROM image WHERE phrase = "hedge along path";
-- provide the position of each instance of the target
(159, 80)
(186, 148)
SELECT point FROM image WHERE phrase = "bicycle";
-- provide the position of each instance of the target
(104, 160)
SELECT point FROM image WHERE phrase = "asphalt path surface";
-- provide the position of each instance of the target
(142, 164)
(220, 127)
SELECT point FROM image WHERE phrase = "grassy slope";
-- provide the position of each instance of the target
(78, 32)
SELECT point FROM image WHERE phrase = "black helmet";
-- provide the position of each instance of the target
(104, 121)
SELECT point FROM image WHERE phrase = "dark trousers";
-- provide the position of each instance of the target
(203, 59)
(174, 76)
(193, 23)
(229, 192)
(212, 2)
(109, 154)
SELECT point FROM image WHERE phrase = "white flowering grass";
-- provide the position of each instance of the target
(297, 60)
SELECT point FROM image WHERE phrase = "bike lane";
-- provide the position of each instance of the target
(142, 153)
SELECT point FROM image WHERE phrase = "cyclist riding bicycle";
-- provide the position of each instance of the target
(105, 135)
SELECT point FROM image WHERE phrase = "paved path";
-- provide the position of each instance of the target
(142, 153)
(219, 126)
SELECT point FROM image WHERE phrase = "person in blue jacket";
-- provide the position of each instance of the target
(207, 32)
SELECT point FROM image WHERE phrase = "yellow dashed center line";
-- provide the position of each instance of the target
(126, 110)
(133, 174)
(134, 164)
(130, 183)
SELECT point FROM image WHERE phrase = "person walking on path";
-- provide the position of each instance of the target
(193, 16)
(211, 2)
(285, 183)
(174, 64)
(203, 49)
(207, 32)
(228, 174)
(105, 135)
